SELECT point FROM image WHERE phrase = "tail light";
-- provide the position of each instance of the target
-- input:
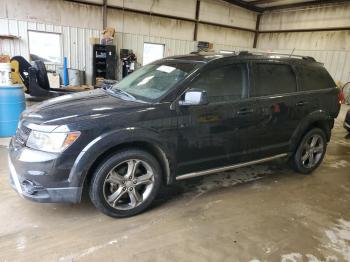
(341, 96)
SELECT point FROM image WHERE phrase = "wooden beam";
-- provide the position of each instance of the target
(195, 33)
(256, 35)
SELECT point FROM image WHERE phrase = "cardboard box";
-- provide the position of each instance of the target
(5, 59)
(108, 36)
(54, 80)
(108, 32)
(94, 40)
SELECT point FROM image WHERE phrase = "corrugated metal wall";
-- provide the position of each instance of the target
(75, 42)
(77, 48)
(329, 47)
(76, 45)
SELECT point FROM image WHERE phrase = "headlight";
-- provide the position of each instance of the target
(51, 142)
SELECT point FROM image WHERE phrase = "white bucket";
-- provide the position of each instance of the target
(5, 74)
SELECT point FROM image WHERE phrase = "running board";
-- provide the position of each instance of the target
(225, 168)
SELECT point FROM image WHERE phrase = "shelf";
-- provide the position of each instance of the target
(9, 37)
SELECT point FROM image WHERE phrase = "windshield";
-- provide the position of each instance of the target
(152, 81)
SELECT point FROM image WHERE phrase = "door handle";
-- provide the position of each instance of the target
(245, 111)
(301, 103)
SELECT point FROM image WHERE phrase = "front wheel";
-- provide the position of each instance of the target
(126, 183)
(310, 151)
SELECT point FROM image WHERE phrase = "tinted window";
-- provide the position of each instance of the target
(315, 78)
(226, 83)
(272, 79)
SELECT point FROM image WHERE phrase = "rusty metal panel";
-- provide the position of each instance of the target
(227, 14)
(220, 35)
(53, 12)
(140, 24)
(336, 15)
(332, 40)
(181, 8)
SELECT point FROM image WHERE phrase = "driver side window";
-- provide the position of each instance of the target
(226, 83)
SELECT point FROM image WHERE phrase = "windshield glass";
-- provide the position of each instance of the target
(152, 81)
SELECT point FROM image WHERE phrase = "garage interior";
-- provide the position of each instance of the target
(265, 212)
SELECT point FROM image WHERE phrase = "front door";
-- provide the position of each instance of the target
(210, 135)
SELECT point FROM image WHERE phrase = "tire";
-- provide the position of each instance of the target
(115, 194)
(305, 149)
(42, 77)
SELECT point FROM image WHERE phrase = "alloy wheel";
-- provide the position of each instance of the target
(128, 184)
(312, 152)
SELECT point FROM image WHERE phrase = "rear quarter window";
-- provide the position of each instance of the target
(314, 78)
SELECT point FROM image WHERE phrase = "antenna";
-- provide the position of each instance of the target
(292, 52)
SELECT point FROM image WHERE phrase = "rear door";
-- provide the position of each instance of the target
(275, 94)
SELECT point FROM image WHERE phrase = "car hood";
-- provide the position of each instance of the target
(70, 108)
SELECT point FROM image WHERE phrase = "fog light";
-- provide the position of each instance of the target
(27, 186)
(30, 187)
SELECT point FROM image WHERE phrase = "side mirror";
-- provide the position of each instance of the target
(194, 97)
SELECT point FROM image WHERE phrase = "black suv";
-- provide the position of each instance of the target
(176, 118)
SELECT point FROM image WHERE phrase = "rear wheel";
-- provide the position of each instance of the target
(126, 183)
(310, 151)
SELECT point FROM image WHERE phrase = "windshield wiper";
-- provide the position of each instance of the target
(119, 92)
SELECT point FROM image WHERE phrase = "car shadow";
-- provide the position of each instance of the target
(194, 187)
(229, 179)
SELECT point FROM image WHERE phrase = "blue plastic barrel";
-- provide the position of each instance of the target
(12, 103)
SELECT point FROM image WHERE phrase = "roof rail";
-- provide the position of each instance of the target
(308, 58)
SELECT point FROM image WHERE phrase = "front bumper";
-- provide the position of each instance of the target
(41, 177)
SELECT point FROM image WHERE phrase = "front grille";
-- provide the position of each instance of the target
(22, 134)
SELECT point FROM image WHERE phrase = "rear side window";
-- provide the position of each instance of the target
(314, 78)
(273, 79)
(226, 83)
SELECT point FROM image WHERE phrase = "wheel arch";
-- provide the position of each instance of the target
(318, 119)
(147, 146)
(102, 147)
